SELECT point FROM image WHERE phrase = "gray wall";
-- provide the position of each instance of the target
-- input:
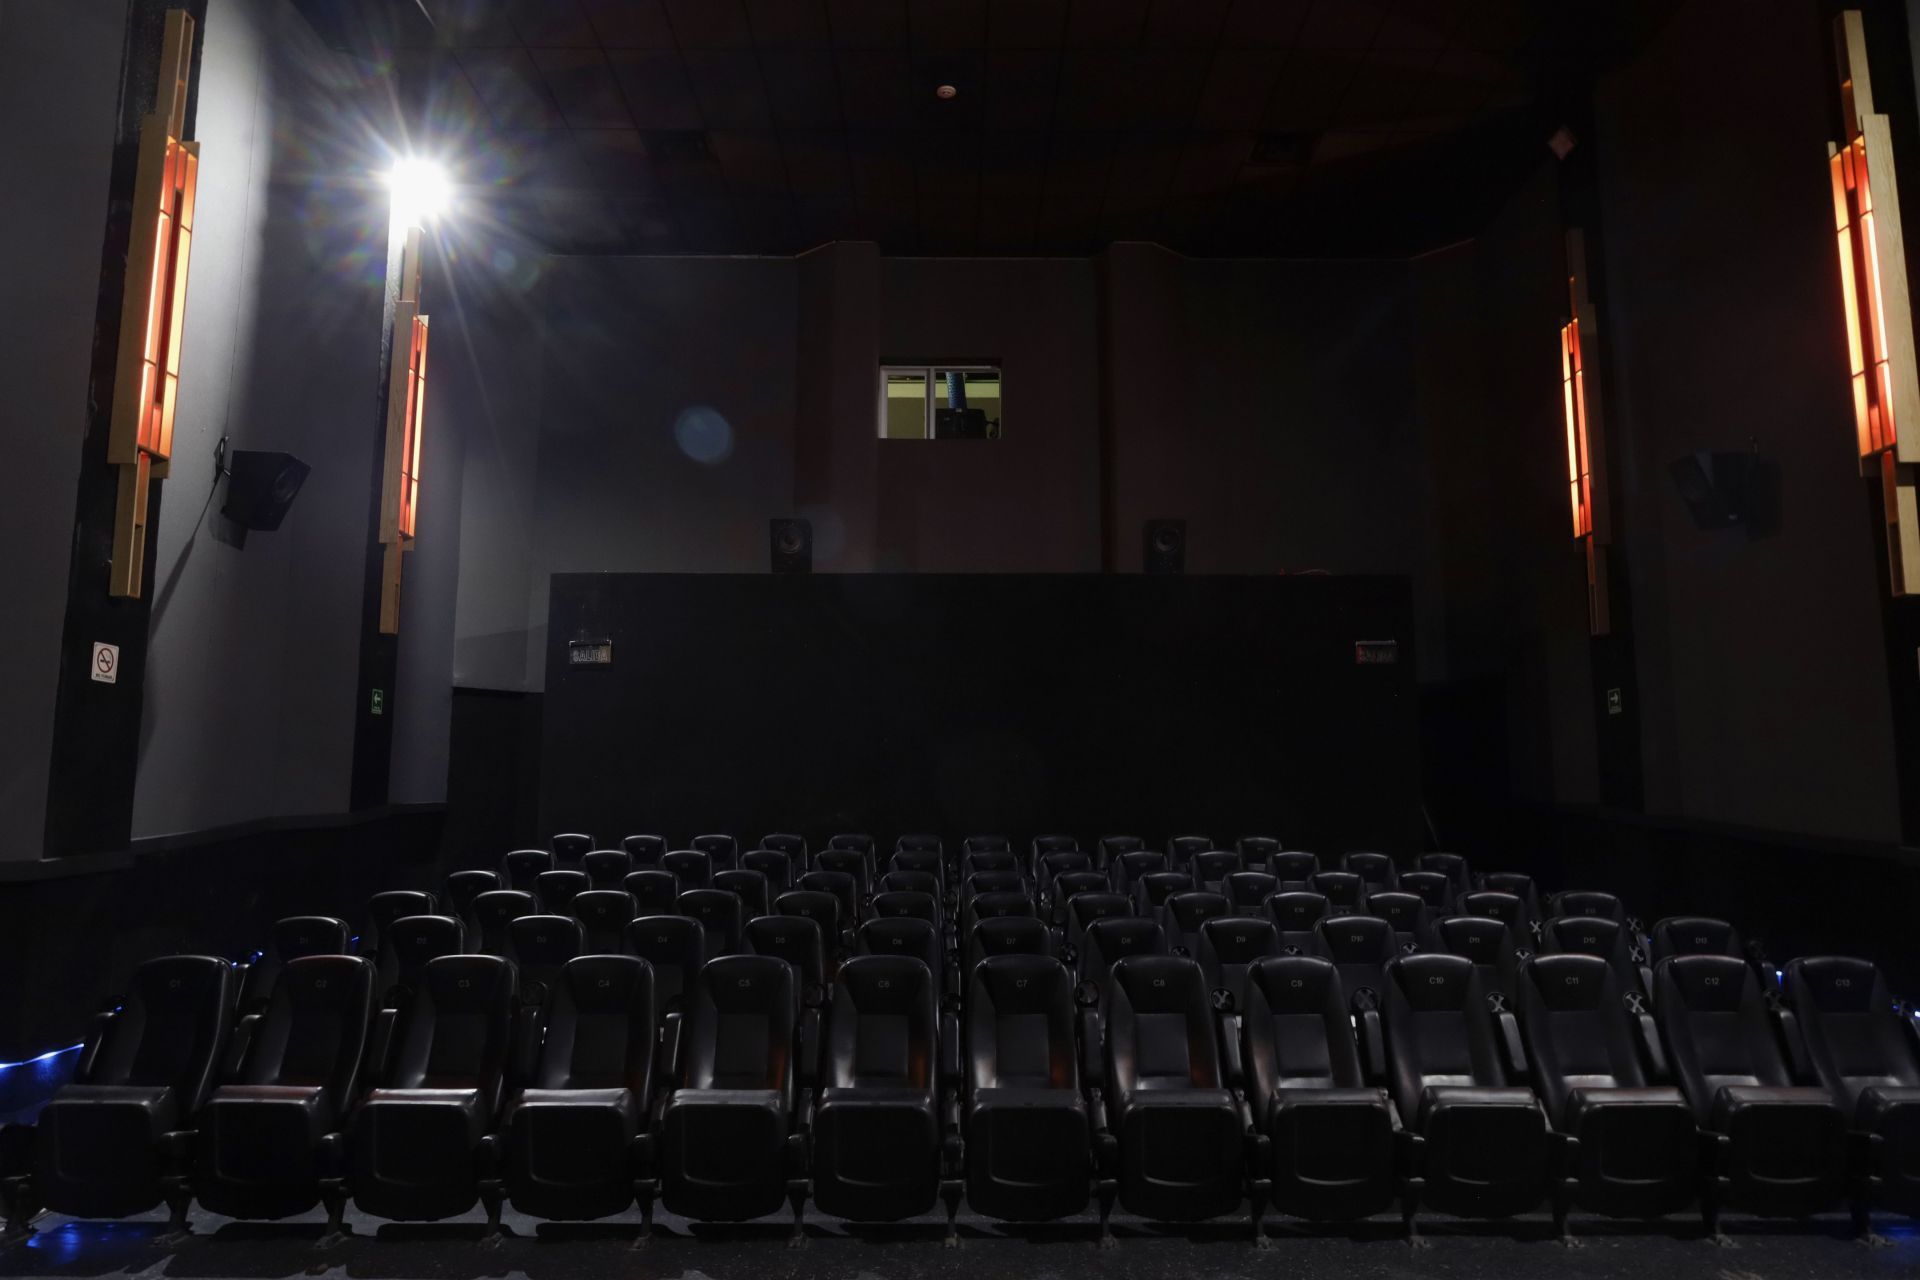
(60, 70)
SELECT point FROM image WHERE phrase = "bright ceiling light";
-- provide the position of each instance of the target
(420, 191)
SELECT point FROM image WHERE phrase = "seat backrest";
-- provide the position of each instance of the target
(1113, 848)
(1715, 1023)
(1498, 905)
(914, 903)
(1376, 869)
(1019, 1030)
(1182, 849)
(600, 1027)
(1247, 892)
(571, 846)
(1695, 936)
(1433, 887)
(1229, 945)
(902, 936)
(1453, 867)
(723, 850)
(986, 861)
(719, 913)
(748, 886)
(1295, 915)
(1060, 862)
(314, 1031)
(603, 913)
(1575, 1029)
(1854, 1037)
(289, 939)
(1485, 941)
(1109, 941)
(1008, 935)
(1182, 914)
(675, 947)
(1084, 908)
(1070, 884)
(645, 850)
(851, 863)
(929, 862)
(1439, 1030)
(794, 846)
(558, 888)
(883, 1025)
(412, 941)
(1254, 851)
(521, 868)
(654, 891)
(910, 882)
(796, 940)
(1520, 885)
(170, 1029)
(777, 865)
(1159, 1029)
(1294, 868)
(1345, 892)
(1211, 868)
(817, 905)
(1406, 912)
(606, 868)
(1360, 947)
(1130, 867)
(1587, 902)
(1593, 936)
(844, 888)
(464, 886)
(540, 948)
(1295, 1030)
(1006, 880)
(986, 906)
(492, 917)
(1151, 891)
(856, 840)
(691, 868)
(456, 1033)
(741, 1014)
(384, 908)
(919, 842)
(986, 844)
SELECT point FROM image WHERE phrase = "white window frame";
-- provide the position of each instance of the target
(926, 369)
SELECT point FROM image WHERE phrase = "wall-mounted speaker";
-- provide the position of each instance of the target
(791, 542)
(261, 486)
(1165, 547)
(1728, 489)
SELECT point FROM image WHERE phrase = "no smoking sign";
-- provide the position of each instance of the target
(106, 663)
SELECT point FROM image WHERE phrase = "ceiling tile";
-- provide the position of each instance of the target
(1026, 24)
(1211, 164)
(473, 24)
(615, 160)
(817, 164)
(1076, 188)
(751, 162)
(1310, 88)
(868, 24)
(1021, 85)
(883, 173)
(1383, 88)
(583, 86)
(1237, 89)
(1418, 24)
(656, 88)
(1264, 24)
(684, 163)
(948, 190)
(1142, 174)
(947, 24)
(803, 90)
(709, 24)
(1341, 24)
(789, 24)
(1186, 24)
(727, 85)
(552, 24)
(630, 24)
(647, 223)
(875, 87)
(511, 87)
(1105, 24)
(707, 223)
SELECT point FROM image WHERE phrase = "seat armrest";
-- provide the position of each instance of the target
(90, 1048)
(670, 1064)
(1787, 1028)
(1512, 1048)
(950, 1048)
(1227, 1031)
(806, 1056)
(1373, 1045)
(238, 1044)
(380, 1045)
(1652, 1052)
(1093, 1069)
(529, 1029)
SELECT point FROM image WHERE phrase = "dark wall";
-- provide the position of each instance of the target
(891, 702)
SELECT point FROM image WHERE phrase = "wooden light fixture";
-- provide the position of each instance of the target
(1586, 440)
(153, 314)
(406, 421)
(1873, 287)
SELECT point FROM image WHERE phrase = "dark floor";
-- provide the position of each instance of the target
(225, 1250)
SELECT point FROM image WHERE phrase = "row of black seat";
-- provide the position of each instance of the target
(1032, 1070)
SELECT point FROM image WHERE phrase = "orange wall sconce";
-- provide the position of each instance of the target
(1586, 436)
(406, 425)
(1873, 290)
(153, 312)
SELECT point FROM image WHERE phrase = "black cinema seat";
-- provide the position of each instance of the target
(1479, 1146)
(1180, 1135)
(1069, 885)
(877, 1125)
(571, 846)
(823, 909)
(289, 939)
(748, 886)
(1028, 1153)
(1007, 935)
(905, 936)
(1211, 868)
(1107, 943)
(269, 1143)
(606, 868)
(1634, 1149)
(1407, 913)
(1453, 867)
(1151, 891)
(777, 865)
(722, 850)
(1695, 936)
(1182, 914)
(719, 913)
(1433, 888)
(986, 844)
(421, 1147)
(1112, 848)
(490, 919)
(541, 947)
(1865, 1055)
(923, 861)
(1779, 1150)
(575, 1142)
(1294, 869)
(558, 888)
(1181, 850)
(1085, 908)
(987, 906)
(1505, 907)
(1485, 941)
(988, 860)
(1229, 945)
(998, 880)
(1521, 886)
(645, 850)
(1255, 851)
(520, 869)
(910, 904)
(384, 908)
(692, 868)
(1376, 870)
(851, 863)
(1586, 902)
(729, 1148)
(1332, 1136)
(1344, 891)
(655, 892)
(464, 886)
(795, 847)
(841, 884)
(1247, 892)
(603, 914)
(1608, 939)
(1130, 867)
(1296, 915)
(117, 1141)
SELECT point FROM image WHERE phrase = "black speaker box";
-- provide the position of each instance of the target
(261, 486)
(1165, 547)
(791, 542)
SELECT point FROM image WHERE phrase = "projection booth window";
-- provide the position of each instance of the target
(940, 402)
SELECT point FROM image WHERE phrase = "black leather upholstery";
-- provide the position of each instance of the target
(748, 886)
(569, 847)
(1594, 936)
(1433, 888)
(1007, 935)
(841, 884)
(904, 936)
(1254, 851)
(557, 889)
(406, 947)
(722, 850)
(291, 938)
(1867, 1062)
(1027, 1134)
(1485, 941)
(1130, 867)
(603, 915)
(1295, 915)
(1110, 941)
(1229, 945)
(520, 869)
(1085, 908)
(1151, 891)
(1344, 891)
(1587, 902)
(1247, 892)
(645, 850)
(676, 948)
(490, 920)
(1211, 868)
(1407, 913)
(384, 908)
(262, 1147)
(1453, 867)
(1360, 947)
(655, 892)
(1182, 914)
(817, 905)
(876, 1127)
(719, 913)
(606, 868)
(1520, 886)
(1294, 868)
(1376, 870)
(690, 868)
(777, 865)
(464, 886)
(794, 846)
(1181, 850)
(1694, 936)
(796, 940)
(851, 863)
